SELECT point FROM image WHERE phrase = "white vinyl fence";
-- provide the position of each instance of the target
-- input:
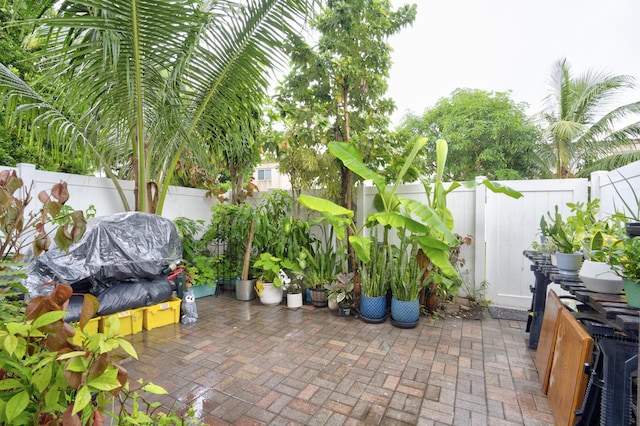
(85, 191)
(501, 227)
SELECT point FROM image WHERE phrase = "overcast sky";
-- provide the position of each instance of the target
(501, 45)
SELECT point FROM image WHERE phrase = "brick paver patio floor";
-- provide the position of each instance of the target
(243, 363)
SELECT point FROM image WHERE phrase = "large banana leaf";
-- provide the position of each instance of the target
(340, 219)
(351, 158)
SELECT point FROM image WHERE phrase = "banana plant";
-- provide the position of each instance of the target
(396, 212)
(431, 222)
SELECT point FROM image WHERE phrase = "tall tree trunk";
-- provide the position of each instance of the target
(237, 180)
(346, 189)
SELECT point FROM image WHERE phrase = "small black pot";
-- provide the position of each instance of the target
(344, 309)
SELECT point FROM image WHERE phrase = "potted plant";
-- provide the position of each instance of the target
(331, 294)
(203, 274)
(269, 283)
(245, 285)
(624, 258)
(228, 231)
(293, 284)
(340, 292)
(631, 213)
(596, 272)
(374, 280)
(568, 235)
(322, 263)
(276, 231)
(407, 280)
(189, 230)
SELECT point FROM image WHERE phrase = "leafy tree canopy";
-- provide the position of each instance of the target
(488, 135)
(335, 91)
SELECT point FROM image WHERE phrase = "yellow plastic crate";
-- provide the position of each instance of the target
(130, 321)
(90, 328)
(162, 314)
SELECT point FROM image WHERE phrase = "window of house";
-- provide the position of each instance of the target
(264, 174)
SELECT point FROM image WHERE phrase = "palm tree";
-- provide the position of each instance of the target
(137, 81)
(581, 132)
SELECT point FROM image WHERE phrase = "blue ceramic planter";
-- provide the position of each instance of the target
(373, 307)
(405, 312)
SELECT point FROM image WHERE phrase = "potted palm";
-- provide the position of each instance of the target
(269, 283)
(407, 280)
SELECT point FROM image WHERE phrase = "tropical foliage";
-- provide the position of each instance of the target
(407, 277)
(136, 82)
(582, 132)
(15, 144)
(335, 91)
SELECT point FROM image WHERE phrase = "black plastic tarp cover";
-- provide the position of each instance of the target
(119, 248)
(123, 296)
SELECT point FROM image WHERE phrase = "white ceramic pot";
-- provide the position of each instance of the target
(332, 304)
(294, 300)
(598, 277)
(270, 295)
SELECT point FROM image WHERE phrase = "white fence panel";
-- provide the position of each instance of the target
(85, 191)
(462, 204)
(511, 227)
(614, 187)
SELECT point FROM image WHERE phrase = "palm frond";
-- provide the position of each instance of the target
(143, 79)
(611, 162)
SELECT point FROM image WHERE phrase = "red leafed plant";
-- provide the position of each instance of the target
(47, 379)
(20, 229)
